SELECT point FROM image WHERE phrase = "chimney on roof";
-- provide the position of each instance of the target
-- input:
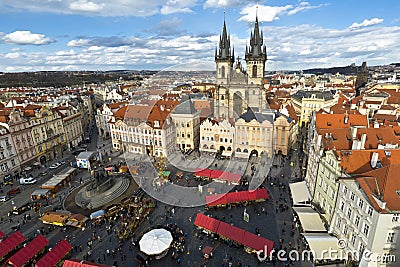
(374, 160)
(363, 139)
(353, 132)
(346, 118)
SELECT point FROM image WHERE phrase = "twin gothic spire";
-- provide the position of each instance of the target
(256, 49)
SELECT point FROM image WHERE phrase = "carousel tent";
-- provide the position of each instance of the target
(155, 242)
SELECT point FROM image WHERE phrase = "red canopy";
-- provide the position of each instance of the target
(80, 263)
(234, 233)
(2, 234)
(236, 197)
(219, 175)
(10, 243)
(257, 242)
(206, 222)
(231, 232)
(26, 253)
(56, 254)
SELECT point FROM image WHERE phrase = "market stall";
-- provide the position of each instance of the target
(28, 253)
(54, 258)
(9, 245)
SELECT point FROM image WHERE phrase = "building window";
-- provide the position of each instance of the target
(390, 238)
(342, 206)
(352, 196)
(223, 71)
(370, 211)
(366, 229)
(254, 73)
(353, 238)
(357, 221)
(345, 190)
(395, 217)
(349, 213)
(361, 203)
(345, 229)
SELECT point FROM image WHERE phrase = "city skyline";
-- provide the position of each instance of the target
(95, 35)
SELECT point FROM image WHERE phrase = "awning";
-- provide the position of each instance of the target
(10, 243)
(26, 253)
(81, 263)
(300, 193)
(321, 244)
(57, 253)
(257, 242)
(218, 175)
(206, 222)
(237, 197)
(309, 219)
(231, 232)
(234, 233)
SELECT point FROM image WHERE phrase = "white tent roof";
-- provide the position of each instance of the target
(300, 193)
(155, 242)
(325, 247)
(309, 219)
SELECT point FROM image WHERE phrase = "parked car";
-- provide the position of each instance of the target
(4, 198)
(8, 179)
(78, 151)
(27, 180)
(14, 191)
(43, 173)
(55, 165)
(22, 209)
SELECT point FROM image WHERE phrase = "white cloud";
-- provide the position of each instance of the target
(79, 42)
(265, 13)
(177, 6)
(303, 6)
(12, 55)
(26, 38)
(365, 23)
(222, 3)
(140, 8)
(85, 6)
(288, 47)
(271, 13)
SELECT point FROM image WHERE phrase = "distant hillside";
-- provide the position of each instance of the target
(348, 70)
(64, 78)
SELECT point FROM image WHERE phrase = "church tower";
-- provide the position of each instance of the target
(224, 58)
(256, 56)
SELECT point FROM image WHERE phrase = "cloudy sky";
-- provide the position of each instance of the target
(156, 34)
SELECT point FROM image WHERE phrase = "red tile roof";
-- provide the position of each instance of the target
(382, 184)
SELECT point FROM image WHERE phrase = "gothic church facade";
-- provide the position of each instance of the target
(237, 88)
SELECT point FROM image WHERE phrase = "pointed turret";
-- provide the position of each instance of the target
(224, 51)
(257, 48)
